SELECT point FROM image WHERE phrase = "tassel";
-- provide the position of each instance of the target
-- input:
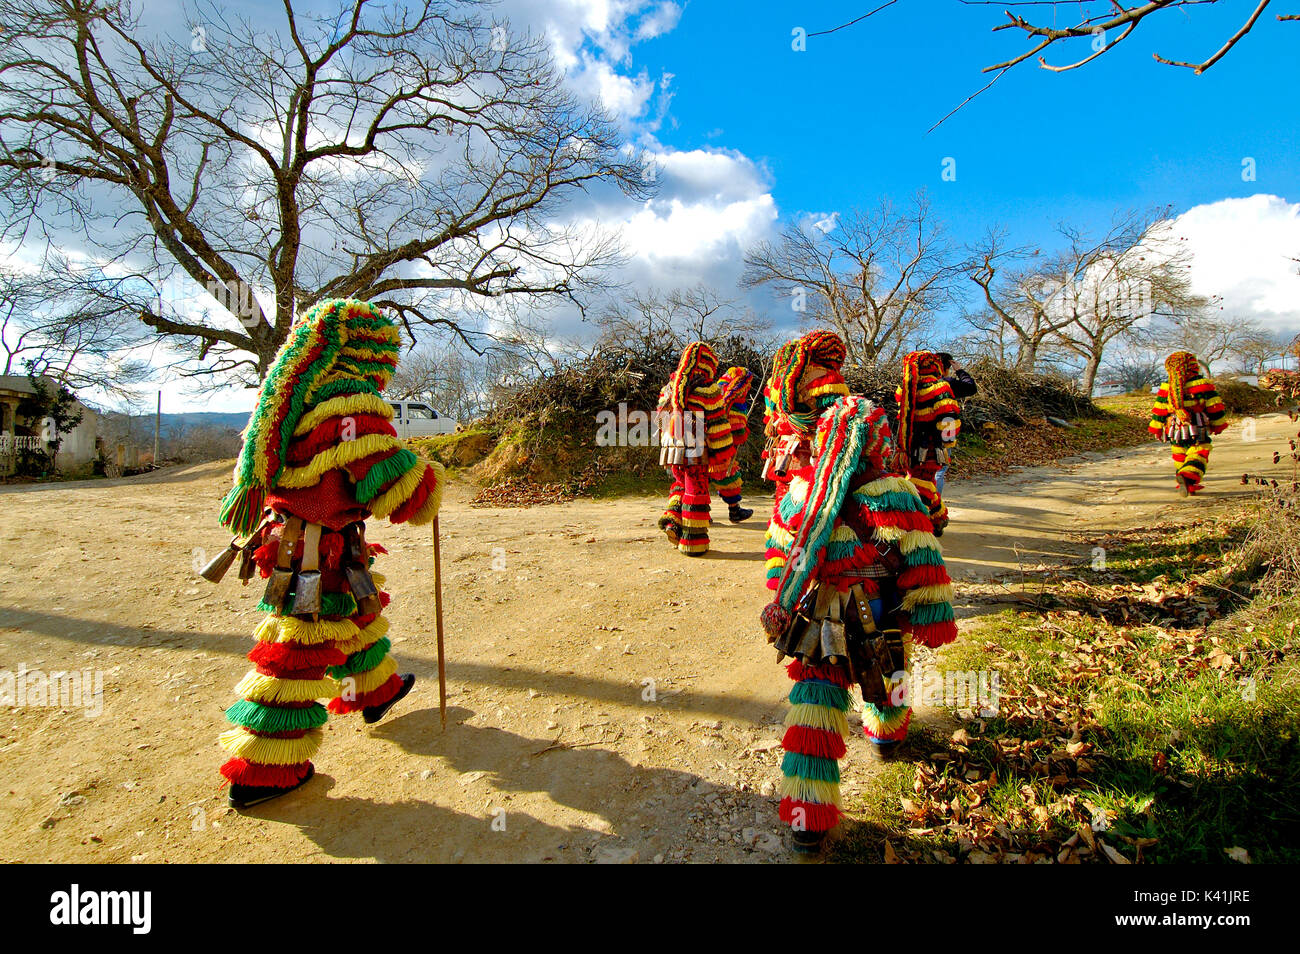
(241, 509)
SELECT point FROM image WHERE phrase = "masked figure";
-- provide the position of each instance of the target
(320, 458)
(696, 446)
(1187, 412)
(863, 581)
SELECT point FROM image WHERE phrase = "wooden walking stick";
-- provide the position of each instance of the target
(437, 603)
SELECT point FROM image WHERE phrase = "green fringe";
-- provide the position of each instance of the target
(893, 500)
(331, 604)
(841, 549)
(923, 556)
(364, 660)
(260, 718)
(811, 767)
(931, 613)
(241, 509)
(820, 694)
(384, 473)
(341, 387)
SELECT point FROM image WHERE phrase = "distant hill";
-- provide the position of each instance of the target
(173, 424)
(233, 419)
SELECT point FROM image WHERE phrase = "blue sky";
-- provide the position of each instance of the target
(751, 134)
(845, 121)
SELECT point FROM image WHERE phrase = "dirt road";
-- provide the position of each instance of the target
(609, 699)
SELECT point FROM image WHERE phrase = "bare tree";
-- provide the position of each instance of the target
(1258, 349)
(56, 322)
(1018, 285)
(1099, 29)
(413, 154)
(1139, 274)
(1136, 370)
(453, 379)
(1059, 297)
(877, 278)
(655, 322)
(1209, 333)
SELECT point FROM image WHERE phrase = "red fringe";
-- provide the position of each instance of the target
(904, 519)
(412, 504)
(315, 672)
(329, 432)
(924, 575)
(822, 743)
(898, 734)
(243, 772)
(815, 817)
(832, 674)
(933, 635)
(376, 697)
(295, 656)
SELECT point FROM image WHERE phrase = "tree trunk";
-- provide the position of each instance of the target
(1090, 373)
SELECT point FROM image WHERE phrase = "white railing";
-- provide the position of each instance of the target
(11, 443)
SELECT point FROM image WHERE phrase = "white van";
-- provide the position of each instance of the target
(417, 419)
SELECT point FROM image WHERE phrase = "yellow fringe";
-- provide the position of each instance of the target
(779, 536)
(938, 593)
(286, 629)
(897, 715)
(810, 790)
(258, 688)
(883, 485)
(342, 407)
(242, 744)
(817, 717)
(364, 638)
(774, 561)
(333, 458)
(398, 493)
(379, 580)
(372, 679)
(917, 539)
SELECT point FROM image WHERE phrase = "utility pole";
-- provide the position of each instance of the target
(157, 425)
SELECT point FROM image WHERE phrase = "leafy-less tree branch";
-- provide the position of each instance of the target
(415, 152)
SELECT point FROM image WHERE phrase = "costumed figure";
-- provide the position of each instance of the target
(1187, 412)
(929, 420)
(963, 386)
(864, 582)
(805, 381)
(737, 385)
(696, 446)
(320, 457)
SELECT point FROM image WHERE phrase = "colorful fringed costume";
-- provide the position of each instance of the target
(697, 446)
(865, 580)
(737, 385)
(806, 380)
(929, 420)
(1187, 413)
(320, 457)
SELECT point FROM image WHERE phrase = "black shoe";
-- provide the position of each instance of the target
(373, 714)
(884, 749)
(807, 842)
(246, 796)
(739, 514)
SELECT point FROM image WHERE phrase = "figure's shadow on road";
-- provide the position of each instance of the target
(590, 779)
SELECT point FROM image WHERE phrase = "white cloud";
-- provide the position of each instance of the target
(1243, 251)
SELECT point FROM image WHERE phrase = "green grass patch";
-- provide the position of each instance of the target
(1160, 740)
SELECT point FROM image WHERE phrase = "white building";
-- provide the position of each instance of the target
(77, 449)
